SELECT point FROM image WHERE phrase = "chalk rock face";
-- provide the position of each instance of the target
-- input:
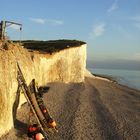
(67, 65)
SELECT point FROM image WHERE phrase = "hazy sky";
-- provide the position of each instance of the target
(111, 28)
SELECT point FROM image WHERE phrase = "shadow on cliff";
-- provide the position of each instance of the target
(19, 126)
(15, 105)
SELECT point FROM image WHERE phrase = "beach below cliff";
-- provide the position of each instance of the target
(99, 109)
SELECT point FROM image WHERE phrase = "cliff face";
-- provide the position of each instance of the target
(64, 66)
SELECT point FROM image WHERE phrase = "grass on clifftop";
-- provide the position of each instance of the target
(52, 45)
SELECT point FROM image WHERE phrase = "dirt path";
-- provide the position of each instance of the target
(96, 110)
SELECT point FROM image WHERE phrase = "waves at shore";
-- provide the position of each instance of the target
(124, 77)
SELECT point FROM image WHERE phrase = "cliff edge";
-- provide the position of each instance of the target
(64, 65)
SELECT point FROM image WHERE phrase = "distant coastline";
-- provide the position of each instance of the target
(106, 77)
(113, 80)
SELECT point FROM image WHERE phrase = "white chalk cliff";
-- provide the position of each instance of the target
(67, 65)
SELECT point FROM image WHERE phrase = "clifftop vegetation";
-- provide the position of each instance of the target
(51, 46)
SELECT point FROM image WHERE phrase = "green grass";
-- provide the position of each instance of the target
(51, 46)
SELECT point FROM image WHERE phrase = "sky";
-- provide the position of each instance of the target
(111, 28)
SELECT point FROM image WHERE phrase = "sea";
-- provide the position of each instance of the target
(130, 78)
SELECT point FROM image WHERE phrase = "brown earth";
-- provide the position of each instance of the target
(94, 110)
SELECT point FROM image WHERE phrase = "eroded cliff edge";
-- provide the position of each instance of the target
(67, 65)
